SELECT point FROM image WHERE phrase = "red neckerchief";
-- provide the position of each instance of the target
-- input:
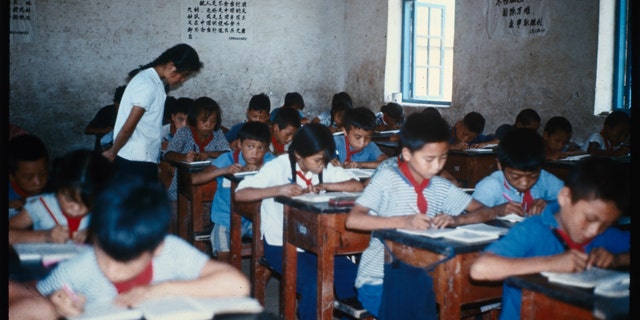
(418, 187)
(201, 144)
(607, 143)
(142, 279)
(568, 242)
(348, 148)
(278, 148)
(23, 194)
(527, 198)
(72, 222)
(302, 176)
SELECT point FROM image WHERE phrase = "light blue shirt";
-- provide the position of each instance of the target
(491, 190)
(370, 152)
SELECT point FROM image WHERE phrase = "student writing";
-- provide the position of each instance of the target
(557, 139)
(28, 160)
(283, 128)
(332, 118)
(354, 149)
(258, 110)
(613, 138)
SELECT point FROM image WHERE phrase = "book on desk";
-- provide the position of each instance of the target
(604, 281)
(48, 253)
(470, 233)
(325, 196)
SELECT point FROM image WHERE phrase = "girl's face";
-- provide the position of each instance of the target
(70, 205)
(337, 118)
(206, 124)
(314, 163)
(427, 161)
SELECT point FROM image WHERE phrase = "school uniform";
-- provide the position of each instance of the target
(535, 237)
(278, 172)
(45, 213)
(389, 194)
(494, 189)
(369, 153)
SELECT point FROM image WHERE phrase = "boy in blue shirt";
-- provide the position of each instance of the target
(258, 110)
(520, 185)
(354, 149)
(28, 170)
(468, 131)
(571, 235)
(252, 153)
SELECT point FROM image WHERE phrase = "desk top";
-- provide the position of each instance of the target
(473, 152)
(316, 207)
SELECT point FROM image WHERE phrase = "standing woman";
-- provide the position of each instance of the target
(138, 127)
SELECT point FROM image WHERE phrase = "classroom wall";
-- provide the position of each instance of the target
(82, 50)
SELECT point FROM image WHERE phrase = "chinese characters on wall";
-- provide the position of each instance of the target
(21, 17)
(519, 18)
(204, 19)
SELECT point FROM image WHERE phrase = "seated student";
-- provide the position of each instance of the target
(468, 131)
(28, 169)
(258, 110)
(390, 117)
(252, 154)
(63, 214)
(557, 136)
(178, 111)
(133, 258)
(527, 118)
(354, 149)
(613, 139)
(293, 100)
(571, 235)
(283, 128)
(305, 168)
(410, 196)
(332, 118)
(520, 185)
(102, 123)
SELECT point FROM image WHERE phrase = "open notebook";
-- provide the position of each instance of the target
(325, 196)
(606, 282)
(48, 252)
(183, 308)
(470, 233)
(362, 173)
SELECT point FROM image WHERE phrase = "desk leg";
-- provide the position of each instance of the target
(235, 239)
(451, 289)
(289, 266)
(183, 212)
(325, 270)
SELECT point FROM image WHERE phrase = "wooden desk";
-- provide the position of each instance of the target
(561, 168)
(470, 167)
(190, 222)
(452, 285)
(317, 228)
(544, 300)
(390, 148)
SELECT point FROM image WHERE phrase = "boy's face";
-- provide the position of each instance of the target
(284, 136)
(427, 161)
(71, 205)
(258, 115)
(463, 134)
(179, 120)
(520, 180)
(117, 271)
(31, 176)
(314, 163)
(205, 125)
(586, 218)
(556, 141)
(358, 138)
(618, 134)
(253, 151)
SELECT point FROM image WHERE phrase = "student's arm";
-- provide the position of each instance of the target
(209, 174)
(173, 156)
(476, 213)
(601, 258)
(367, 164)
(19, 231)
(253, 194)
(445, 174)
(211, 154)
(125, 133)
(348, 186)
(360, 219)
(492, 267)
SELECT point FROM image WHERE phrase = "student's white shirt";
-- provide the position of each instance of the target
(278, 172)
(145, 90)
(43, 208)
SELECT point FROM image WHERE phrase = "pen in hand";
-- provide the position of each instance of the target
(70, 293)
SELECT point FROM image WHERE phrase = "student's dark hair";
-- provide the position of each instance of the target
(474, 121)
(184, 58)
(528, 116)
(432, 111)
(287, 116)
(309, 140)
(81, 174)
(182, 105)
(394, 111)
(558, 123)
(601, 178)
(340, 102)
(617, 118)
(117, 96)
(130, 217)
(293, 99)
(255, 130)
(359, 118)
(26, 147)
(169, 105)
(521, 149)
(260, 102)
(422, 128)
(206, 106)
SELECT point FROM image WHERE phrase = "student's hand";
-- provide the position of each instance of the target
(317, 188)
(291, 190)
(190, 156)
(417, 221)
(201, 156)
(16, 204)
(537, 207)
(601, 258)
(136, 295)
(57, 234)
(109, 154)
(511, 207)
(66, 305)
(442, 220)
(351, 165)
(569, 261)
(251, 167)
(164, 144)
(233, 169)
(80, 236)
(459, 146)
(336, 162)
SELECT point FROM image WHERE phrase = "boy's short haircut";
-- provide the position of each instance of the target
(432, 111)
(521, 149)
(130, 217)
(182, 105)
(617, 118)
(207, 106)
(394, 111)
(474, 121)
(558, 124)
(600, 178)
(527, 117)
(26, 147)
(293, 99)
(255, 130)
(117, 96)
(359, 118)
(422, 128)
(260, 102)
(287, 116)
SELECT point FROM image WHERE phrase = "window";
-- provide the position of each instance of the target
(427, 51)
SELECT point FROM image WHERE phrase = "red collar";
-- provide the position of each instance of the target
(201, 144)
(142, 279)
(23, 194)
